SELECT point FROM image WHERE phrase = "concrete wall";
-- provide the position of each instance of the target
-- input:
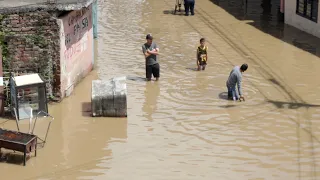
(1, 86)
(299, 22)
(76, 48)
(95, 26)
(95, 18)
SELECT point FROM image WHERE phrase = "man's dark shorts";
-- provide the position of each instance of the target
(202, 63)
(152, 70)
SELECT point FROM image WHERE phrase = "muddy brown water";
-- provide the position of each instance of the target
(182, 127)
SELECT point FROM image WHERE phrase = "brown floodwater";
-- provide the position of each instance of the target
(182, 127)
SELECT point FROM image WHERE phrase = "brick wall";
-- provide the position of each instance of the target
(33, 46)
(59, 48)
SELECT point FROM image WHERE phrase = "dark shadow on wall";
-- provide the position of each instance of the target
(266, 17)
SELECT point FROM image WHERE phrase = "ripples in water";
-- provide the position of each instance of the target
(184, 121)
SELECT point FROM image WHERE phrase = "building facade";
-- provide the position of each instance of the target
(303, 14)
(76, 48)
(54, 40)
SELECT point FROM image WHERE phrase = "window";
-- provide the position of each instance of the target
(308, 9)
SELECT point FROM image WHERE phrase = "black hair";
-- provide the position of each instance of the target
(202, 39)
(244, 67)
(149, 36)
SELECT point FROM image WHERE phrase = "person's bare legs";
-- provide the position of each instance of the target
(199, 67)
(203, 67)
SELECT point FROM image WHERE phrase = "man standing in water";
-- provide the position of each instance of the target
(151, 52)
(234, 79)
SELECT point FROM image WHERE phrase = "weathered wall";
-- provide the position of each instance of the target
(95, 18)
(76, 34)
(31, 43)
(95, 27)
(299, 22)
(1, 85)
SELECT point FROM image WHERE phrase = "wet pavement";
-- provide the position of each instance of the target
(182, 127)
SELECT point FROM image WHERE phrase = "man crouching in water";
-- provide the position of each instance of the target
(235, 78)
(151, 52)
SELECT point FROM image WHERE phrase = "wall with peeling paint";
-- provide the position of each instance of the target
(76, 52)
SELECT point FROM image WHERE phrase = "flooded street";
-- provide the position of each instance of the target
(182, 127)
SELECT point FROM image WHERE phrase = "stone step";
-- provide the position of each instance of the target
(109, 98)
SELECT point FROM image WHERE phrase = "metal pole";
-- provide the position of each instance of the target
(17, 121)
(25, 155)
